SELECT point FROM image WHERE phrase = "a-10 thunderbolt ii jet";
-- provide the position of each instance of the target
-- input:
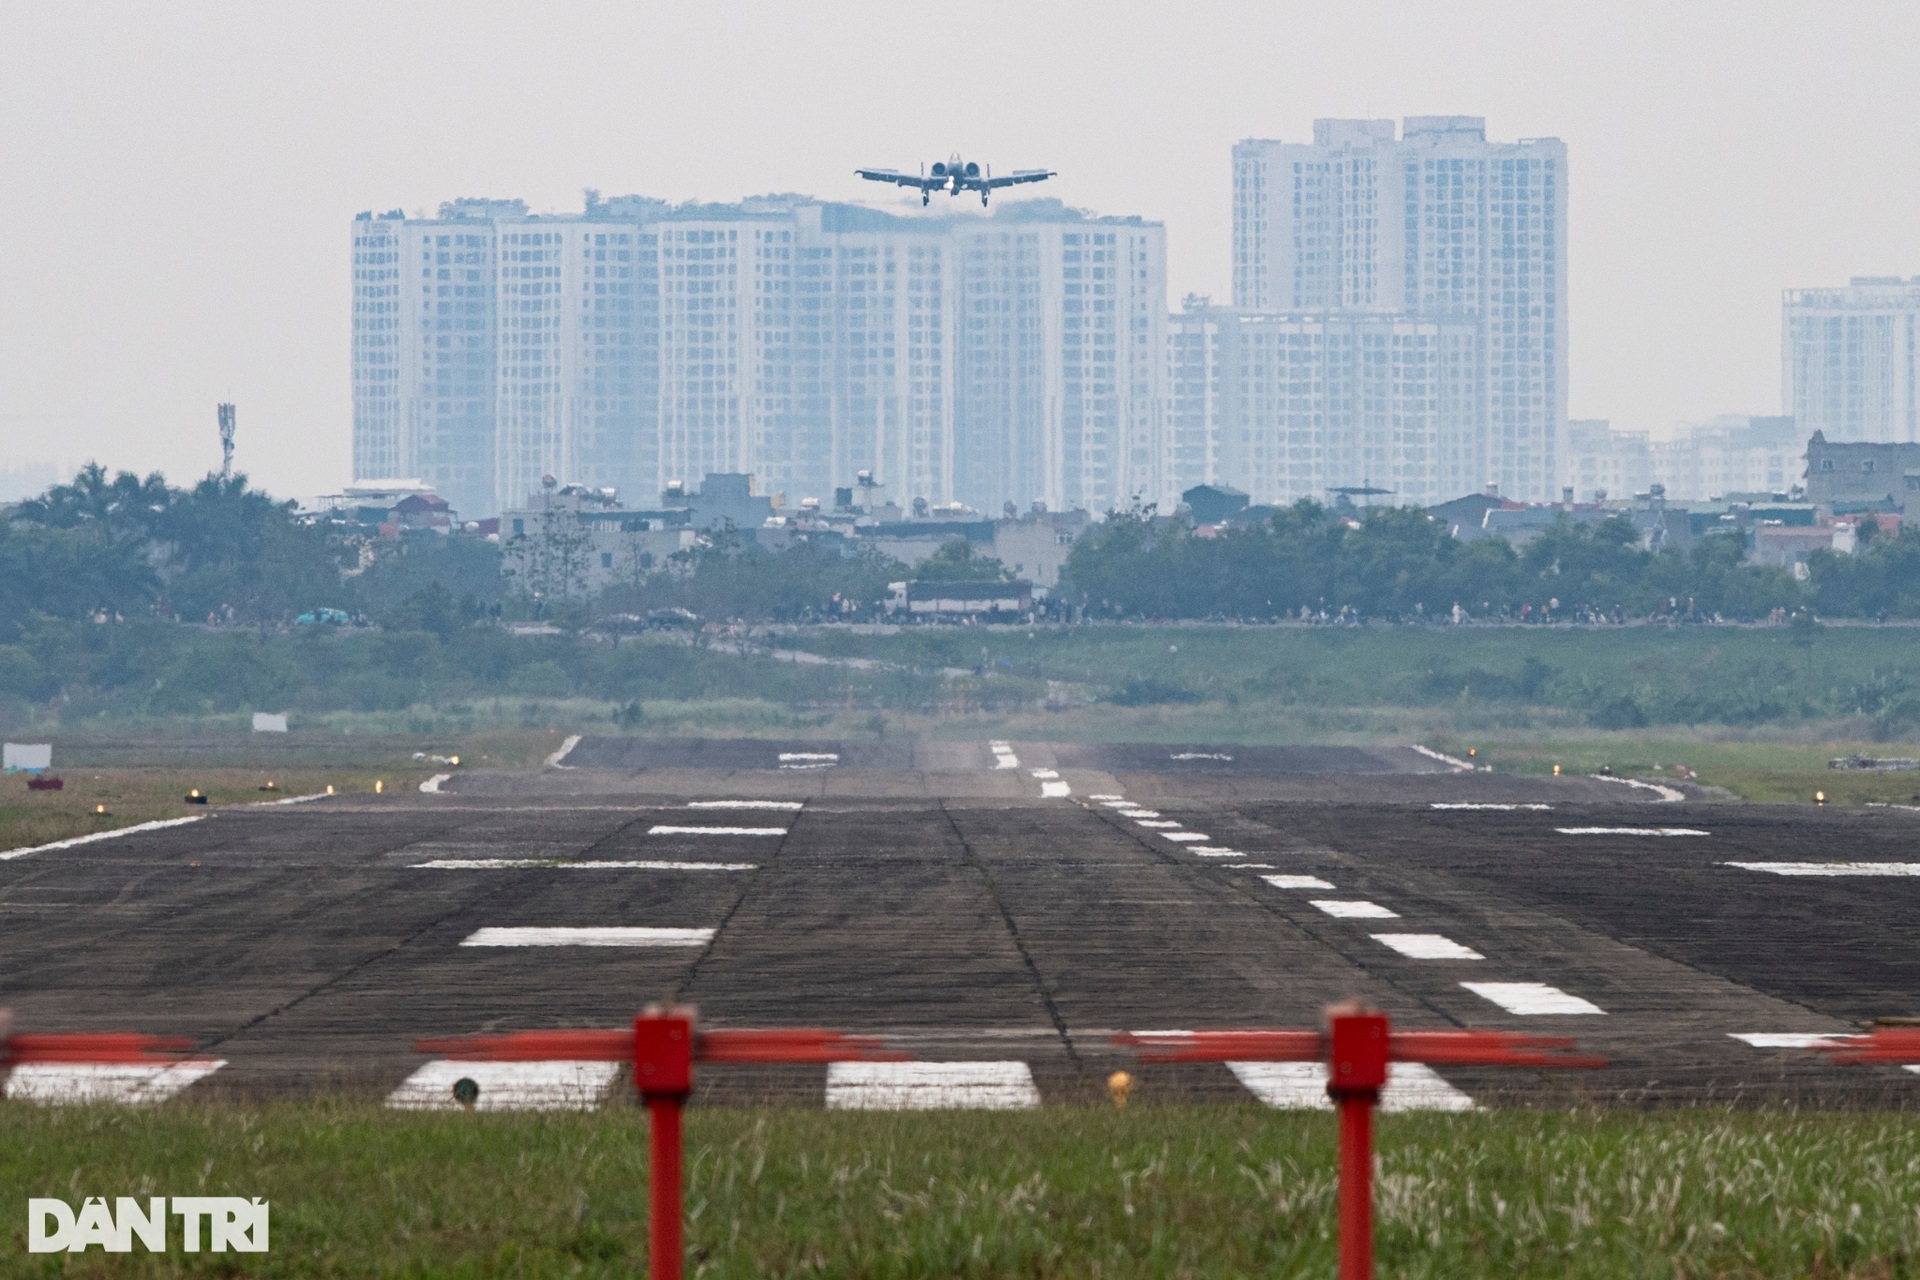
(955, 175)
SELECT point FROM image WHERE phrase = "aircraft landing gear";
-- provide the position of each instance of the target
(924, 197)
(983, 199)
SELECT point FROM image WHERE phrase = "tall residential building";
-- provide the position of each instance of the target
(1848, 360)
(1287, 405)
(1434, 224)
(1010, 358)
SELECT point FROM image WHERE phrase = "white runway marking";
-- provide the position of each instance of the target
(1498, 808)
(1251, 866)
(597, 936)
(1165, 824)
(1054, 790)
(566, 749)
(1103, 799)
(716, 831)
(1003, 757)
(809, 759)
(432, 785)
(1183, 837)
(1044, 773)
(1667, 794)
(1632, 831)
(1459, 765)
(1302, 1086)
(1297, 882)
(74, 841)
(1531, 998)
(1788, 1039)
(508, 864)
(1201, 851)
(1354, 909)
(930, 1086)
(133, 1084)
(271, 804)
(1427, 946)
(1199, 755)
(508, 1086)
(785, 806)
(1831, 868)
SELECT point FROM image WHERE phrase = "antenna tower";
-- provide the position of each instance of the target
(226, 441)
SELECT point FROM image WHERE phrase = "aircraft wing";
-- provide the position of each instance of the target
(1018, 176)
(901, 179)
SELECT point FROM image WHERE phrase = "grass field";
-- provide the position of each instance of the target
(1154, 1191)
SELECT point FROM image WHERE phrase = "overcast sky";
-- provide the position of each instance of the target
(177, 180)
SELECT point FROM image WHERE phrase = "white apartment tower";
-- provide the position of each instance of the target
(1287, 405)
(1850, 360)
(1011, 358)
(1436, 225)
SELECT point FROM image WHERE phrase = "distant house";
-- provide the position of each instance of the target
(1849, 477)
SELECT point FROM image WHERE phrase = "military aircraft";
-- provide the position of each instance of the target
(954, 175)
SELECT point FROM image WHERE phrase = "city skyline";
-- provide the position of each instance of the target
(184, 181)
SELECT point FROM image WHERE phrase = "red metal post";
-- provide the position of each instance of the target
(663, 1073)
(664, 1248)
(1356, 1072)
(1356, 1187)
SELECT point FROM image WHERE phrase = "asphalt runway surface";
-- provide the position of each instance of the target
(978, 911)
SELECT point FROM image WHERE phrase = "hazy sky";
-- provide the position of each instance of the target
(177, 180)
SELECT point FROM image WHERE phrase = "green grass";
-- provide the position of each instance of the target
(1766, 772)
(1154, 1191)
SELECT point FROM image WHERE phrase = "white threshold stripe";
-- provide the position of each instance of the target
(1296, 882)
(1358, 909)
(1427, 946)
(432, 785)
(1495, 808)
(508, 864)
(1302, 1086)
(1632, 831)
(591, 936)
(785, 806)
(1044, 773)
(805, 757)
(1184, 837)
(1055, 790)
(566, 748)
(1165, 825)
(75, 841)
(1251, 866)
(1531, 999)
(1201, 851)
(132, 1084)
(559, 1085)
(1108, 800)
(930, 1086)
(1789, 1039)
(1831, 868)
(716, 831)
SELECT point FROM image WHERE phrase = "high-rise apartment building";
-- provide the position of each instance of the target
(1850, 359)
(1010, 358)
(1436, 224)
(1288, 405)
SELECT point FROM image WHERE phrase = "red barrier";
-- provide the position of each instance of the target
(663, 1047)
(1357, 1046)
(101, 1047)
(1885, 1044)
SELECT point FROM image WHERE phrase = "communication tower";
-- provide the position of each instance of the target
(226, 442)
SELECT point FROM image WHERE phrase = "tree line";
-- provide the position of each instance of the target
(1399, 564)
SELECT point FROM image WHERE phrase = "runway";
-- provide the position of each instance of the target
(1003, 919)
